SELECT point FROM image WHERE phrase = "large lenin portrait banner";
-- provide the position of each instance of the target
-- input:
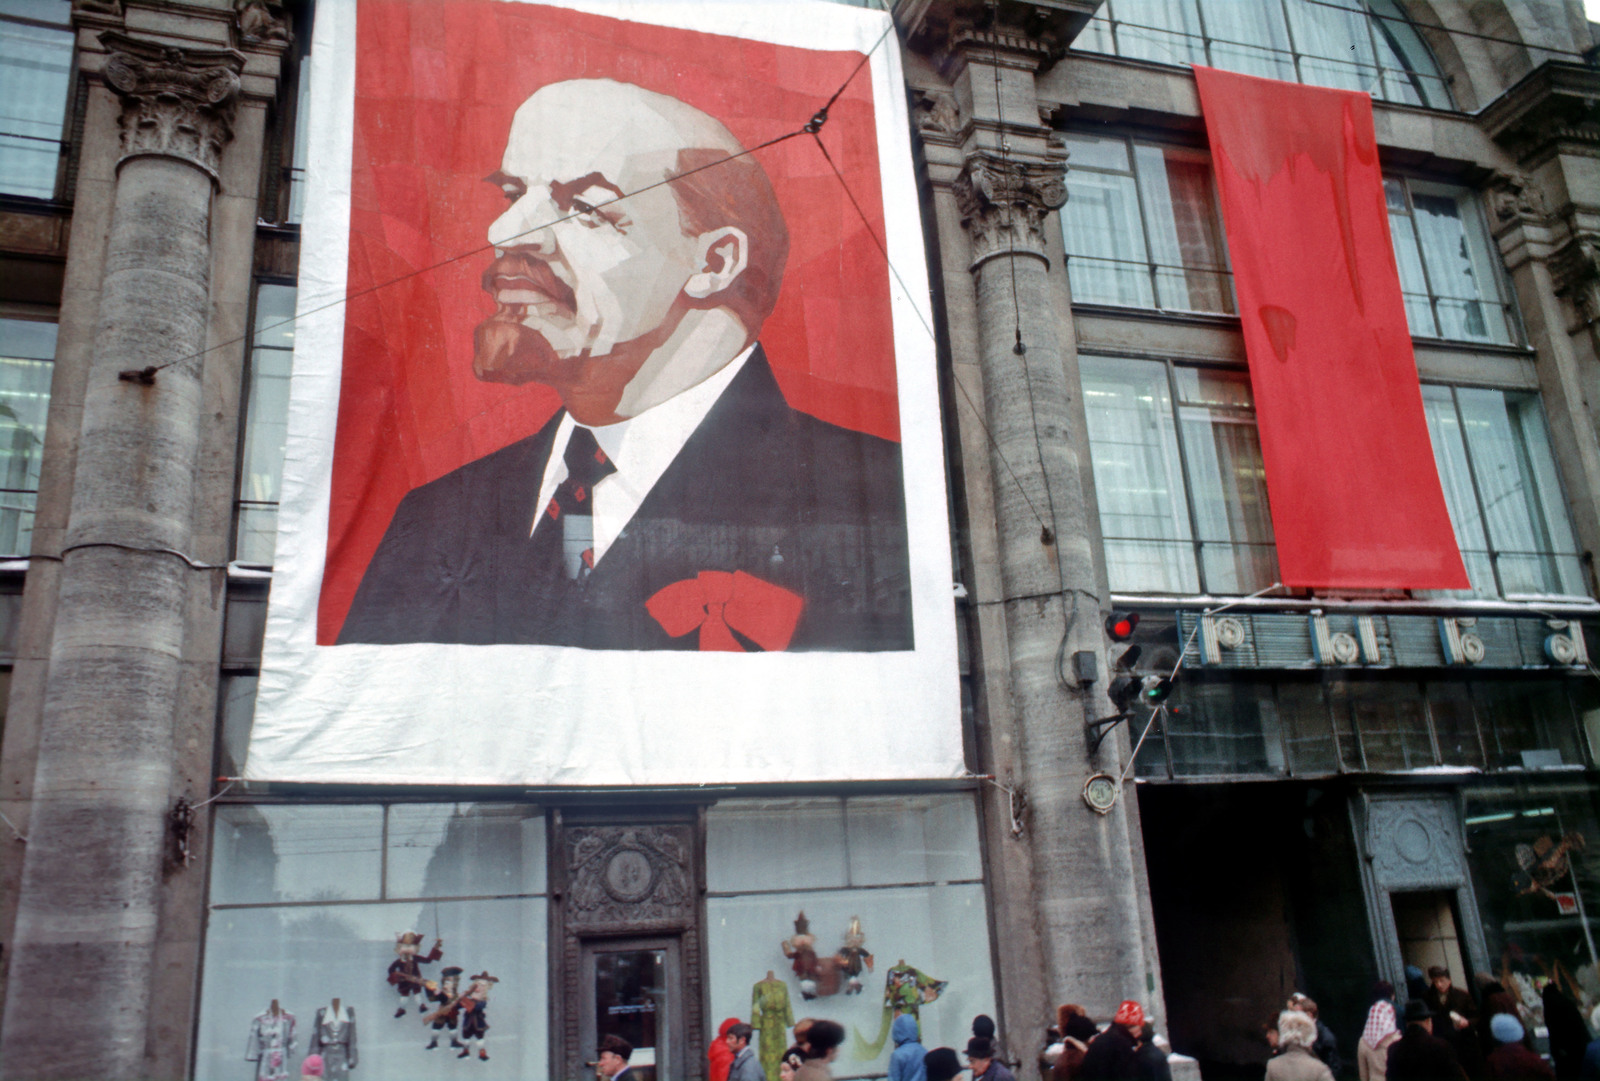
(614, 450)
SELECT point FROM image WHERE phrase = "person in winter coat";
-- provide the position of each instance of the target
(1453, 1015)
(1372, 1050)
(905, 1063)
(1114, 1054)
(1326, 1046)
(745, 1065)
(941, 1064)
(718, 1055)
(1589, 1069)
(1569, 1036)
(823, 1040)
(1510, 1060)
(1076, 1031)
(1152, 1056)
(1295, 1060)
(983, 1063)
(1419, 1055)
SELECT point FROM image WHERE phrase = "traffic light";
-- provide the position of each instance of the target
(1153, 690)
(1120, 625)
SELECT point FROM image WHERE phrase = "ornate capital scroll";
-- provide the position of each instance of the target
(1004, 202)
(1575, 273)
(622, 875)
(176, 103)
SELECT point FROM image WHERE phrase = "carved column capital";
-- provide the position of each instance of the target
(1575, 273)
(1515, 198)
(1004, 202)
(176, 103)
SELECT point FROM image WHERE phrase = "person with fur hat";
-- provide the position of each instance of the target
(1295, 1060)
(983, 1063)
(905, 1063)
(941, 1064)
(1326, 1046)
(1114, 1054)
(1511, 1060)
(1419, 1055)
(1076, 1032)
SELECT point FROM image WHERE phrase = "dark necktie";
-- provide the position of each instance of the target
(572, 506)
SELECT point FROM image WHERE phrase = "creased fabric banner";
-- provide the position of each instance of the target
(1356, 499)
(621, 464)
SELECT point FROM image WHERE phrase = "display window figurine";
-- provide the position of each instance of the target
(853, 958)
(405, 974)
(270, 1043)
(447, 992)
(801, 950)
(474, 1014)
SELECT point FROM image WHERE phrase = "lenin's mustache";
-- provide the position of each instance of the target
(506, 351)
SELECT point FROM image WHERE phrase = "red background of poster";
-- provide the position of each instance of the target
(1356, 500)
(436, 87)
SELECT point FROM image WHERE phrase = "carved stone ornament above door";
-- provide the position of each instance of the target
(1414, 844)
(624, 875)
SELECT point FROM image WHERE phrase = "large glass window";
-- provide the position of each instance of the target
(1449, 275)
(1536, 878)
(35, 75)
(896, 878)
(1141, 227)
(1219, 724)
(1178, 478)
(1500, 482)
(306, 905)
(1352, 45)
(266, 422)
(27, 350)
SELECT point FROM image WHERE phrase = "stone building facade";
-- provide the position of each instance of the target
(1340, 787)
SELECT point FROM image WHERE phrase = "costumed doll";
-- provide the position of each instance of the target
(905, 991)
(404, 974)
(853, 958)
(771, 1016)
(333, 1037)
(270, 1043)
(474, 1007)
(447, 992)
(800, 949)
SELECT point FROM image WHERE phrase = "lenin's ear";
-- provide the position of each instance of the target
(722, 255)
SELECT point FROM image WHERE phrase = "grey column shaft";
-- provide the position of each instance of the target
(1083, 872)
(90, 896)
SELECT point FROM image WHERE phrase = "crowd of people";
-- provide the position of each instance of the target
(1442, 1033)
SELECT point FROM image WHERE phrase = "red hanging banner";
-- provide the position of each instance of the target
(1356, 500)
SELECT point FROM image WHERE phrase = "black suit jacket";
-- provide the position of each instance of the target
(1418, 1056)
(759, 487)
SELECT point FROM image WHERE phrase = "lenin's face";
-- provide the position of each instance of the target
(587, 283)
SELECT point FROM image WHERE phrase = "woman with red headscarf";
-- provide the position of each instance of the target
(720, 1055)
(1114, 1054)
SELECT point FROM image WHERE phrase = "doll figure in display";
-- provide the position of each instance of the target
(270, 1043)
(447, 993)
(474, 1014)
(333, 1036)
(854, 958)
(801, 950)
(405, 973)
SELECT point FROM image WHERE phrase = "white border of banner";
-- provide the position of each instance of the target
(543, 715)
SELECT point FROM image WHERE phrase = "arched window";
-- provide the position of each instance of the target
(1351, 44)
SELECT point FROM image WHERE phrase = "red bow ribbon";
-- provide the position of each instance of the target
(715, 601)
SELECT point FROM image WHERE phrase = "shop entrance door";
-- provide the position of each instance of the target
(633, 988)
(1425, 922)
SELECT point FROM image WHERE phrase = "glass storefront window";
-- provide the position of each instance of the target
(307, 901)
(903, 872)
(35, 77)
(1536, 877)
(27, 355)
(266, 424)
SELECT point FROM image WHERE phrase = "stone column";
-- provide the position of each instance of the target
(1086, 869)
(97, 847)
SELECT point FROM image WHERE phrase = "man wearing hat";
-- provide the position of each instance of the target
(1114, 1054)
(614, 1055)
(1419, 1055)
(981, 1060)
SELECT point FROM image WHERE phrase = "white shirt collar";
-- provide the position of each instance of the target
(641, 448)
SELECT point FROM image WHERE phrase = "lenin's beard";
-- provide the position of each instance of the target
(508, 351)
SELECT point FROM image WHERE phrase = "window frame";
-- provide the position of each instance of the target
(1427, 87)
(68, 102)
(1152, 270)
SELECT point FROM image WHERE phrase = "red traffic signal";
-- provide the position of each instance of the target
(1120, 625)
